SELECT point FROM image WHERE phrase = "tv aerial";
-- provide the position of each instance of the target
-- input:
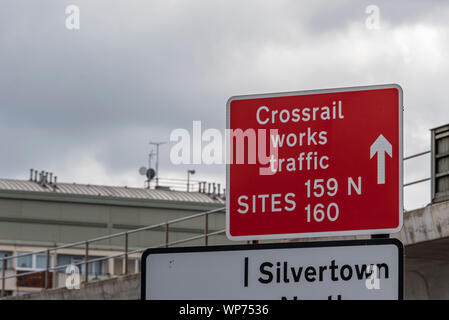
(157, 144)
(149, 172)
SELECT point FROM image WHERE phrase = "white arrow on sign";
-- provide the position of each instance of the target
(381, 146)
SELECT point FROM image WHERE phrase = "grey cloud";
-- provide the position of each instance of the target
(138, 69)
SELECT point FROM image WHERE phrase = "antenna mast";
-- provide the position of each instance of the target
(157, 144)
(150, 156)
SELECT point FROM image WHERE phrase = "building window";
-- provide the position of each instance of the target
(7, 293)
(35, 261)
(65, 260)
(95, 268)
(25, 262)
(8, 262)
(41, 261)
(98, 267)
(133, 266)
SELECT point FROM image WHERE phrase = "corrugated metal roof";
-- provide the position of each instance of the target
(108, 191)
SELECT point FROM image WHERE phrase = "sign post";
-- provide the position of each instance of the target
(302, 164)
(329, 270)
(315, 163)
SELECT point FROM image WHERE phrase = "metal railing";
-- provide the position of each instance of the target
(178, 184)
(190, 185)
(419, 180)
(211, 188)
(126, 252)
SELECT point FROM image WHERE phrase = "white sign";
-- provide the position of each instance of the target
(359, 269)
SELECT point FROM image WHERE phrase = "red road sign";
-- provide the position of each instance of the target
(315, 163)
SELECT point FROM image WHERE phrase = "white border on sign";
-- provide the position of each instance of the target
(329, 233)
(274, 246)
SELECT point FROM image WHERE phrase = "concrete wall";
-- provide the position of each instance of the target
(427, 270)
(121, 288)
(428, 283)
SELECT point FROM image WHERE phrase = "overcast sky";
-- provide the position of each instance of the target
(85, 103)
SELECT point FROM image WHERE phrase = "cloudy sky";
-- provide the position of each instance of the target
(85, 103)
